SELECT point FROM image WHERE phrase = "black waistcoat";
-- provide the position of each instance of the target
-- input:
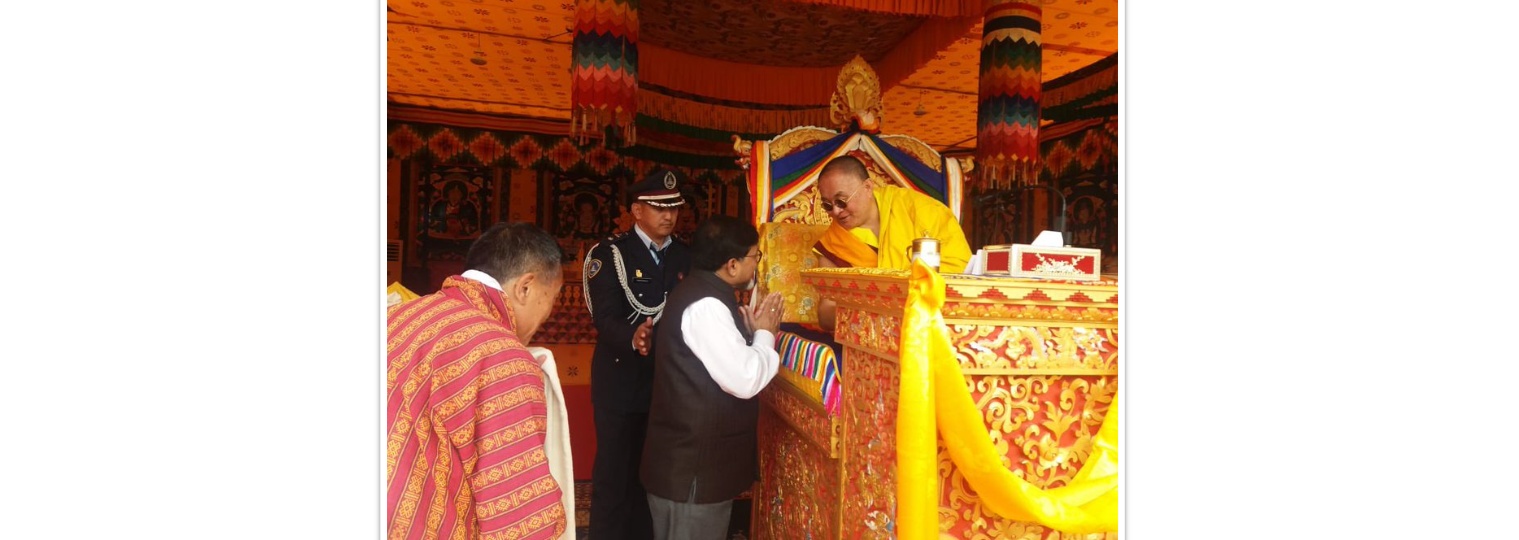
(701, 440)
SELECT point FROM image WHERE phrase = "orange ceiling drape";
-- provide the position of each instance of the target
(934, 8)
(775, 85)
(921, 46)
(735, 81)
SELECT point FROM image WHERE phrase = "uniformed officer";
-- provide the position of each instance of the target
(626, 279)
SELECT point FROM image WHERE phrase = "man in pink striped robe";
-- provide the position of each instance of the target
(466, 409)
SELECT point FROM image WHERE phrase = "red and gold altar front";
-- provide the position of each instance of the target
(1040, 359)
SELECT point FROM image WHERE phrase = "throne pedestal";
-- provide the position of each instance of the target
(1040, 359)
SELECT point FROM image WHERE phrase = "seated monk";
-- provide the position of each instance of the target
(873, 227)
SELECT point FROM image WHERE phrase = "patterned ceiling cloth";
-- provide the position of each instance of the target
(776, 34)
(604, 69)
(1007, 119)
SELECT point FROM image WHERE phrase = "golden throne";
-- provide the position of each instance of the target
(783, 174)
(1040, 357)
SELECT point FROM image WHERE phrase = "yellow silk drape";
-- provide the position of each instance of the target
(917, 450)
(931, 381)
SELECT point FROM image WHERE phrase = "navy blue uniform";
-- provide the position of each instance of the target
(622, 379)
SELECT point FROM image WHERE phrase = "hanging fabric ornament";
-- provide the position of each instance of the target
(604, 70)
(1007, 116)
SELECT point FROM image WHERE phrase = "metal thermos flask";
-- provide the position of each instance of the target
(926, 249)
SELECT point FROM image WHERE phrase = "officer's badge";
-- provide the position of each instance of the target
(592, 268)
(669, 179)
(638, 272)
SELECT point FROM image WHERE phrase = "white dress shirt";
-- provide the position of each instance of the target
(483, 278)
(741, 370)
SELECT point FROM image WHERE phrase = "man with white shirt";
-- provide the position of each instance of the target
(467, 413)
(626, 279)
(712, 357)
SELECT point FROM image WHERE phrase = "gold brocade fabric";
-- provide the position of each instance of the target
(788, 249)
(1087, 504)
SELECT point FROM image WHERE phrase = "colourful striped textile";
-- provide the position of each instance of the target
(774, 182)
(1007, 117)
(810, 366)
(758, 177)
(604, 68)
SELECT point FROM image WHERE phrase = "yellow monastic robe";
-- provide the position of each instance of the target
(905, 215)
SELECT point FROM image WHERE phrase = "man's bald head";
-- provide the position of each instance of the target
(847, 165)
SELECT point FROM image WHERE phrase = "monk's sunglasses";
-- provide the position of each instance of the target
(843, 202)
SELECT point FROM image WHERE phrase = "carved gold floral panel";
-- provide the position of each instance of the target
(1035, 347)
(1044, 427)
(870, 455)
(878, 333)
(808, 417)
(800, 498)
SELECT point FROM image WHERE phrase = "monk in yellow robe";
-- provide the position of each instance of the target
(873, 227)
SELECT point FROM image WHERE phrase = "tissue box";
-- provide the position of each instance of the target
(1022, 260)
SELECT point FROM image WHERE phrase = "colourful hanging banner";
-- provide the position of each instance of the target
(1007, 117)
(604, 69)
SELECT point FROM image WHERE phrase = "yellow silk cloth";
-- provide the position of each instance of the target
(905, 215)
(397, 294)
(932, 381)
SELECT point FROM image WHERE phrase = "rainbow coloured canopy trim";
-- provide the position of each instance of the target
(773, 183)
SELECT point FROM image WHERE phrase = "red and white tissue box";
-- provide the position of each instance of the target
(1044, 262)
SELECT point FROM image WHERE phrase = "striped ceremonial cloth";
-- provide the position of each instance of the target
(812, 366)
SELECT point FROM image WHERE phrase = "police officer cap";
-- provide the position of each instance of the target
(661, 187)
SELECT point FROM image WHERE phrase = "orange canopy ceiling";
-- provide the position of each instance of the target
(785, 53)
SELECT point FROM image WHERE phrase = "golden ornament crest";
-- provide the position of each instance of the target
(857, 98)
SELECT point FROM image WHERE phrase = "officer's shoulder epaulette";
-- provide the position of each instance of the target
(604, 243)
